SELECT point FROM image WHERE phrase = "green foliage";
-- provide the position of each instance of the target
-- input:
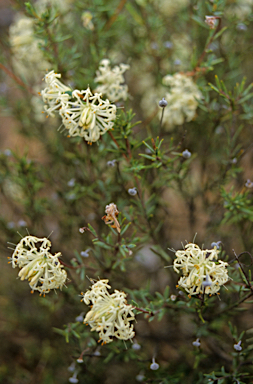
(172, 173)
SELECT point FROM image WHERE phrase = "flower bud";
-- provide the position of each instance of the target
(132, 191)
(196, 343)
(163, 103)
(186, 154)
(154, 366)
(111, 163)
(237, 346)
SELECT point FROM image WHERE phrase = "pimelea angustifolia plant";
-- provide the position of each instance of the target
(126, 192)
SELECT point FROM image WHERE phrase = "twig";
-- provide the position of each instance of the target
(115, 141)
(202, 56)
(115, 15)
(245, 274)
(235, 304)
(151, 313)
(17, 79)
(161, 121)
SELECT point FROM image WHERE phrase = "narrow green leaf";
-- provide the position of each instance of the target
(102, 245)
(92, 230)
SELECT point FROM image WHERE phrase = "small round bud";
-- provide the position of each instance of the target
(85, 253)
(97, 353)
(219, 130)
(196, 343)
(154, 46)
(216, 244)
(168, 44)
(173, 297)
(248, 184)
(163, 103)
(186, 154)
(154, 366)
(7, 152)
(71, 182)
(177, 62)
(207, 282)
(79, 360)
(80, 318)
(11, 225)
(73, 380)
(140, 377)
(72, 368)
(132, 191)
(237, 266)
(111, 163)
(237, 346)
(81, 230)
(71, 196)
(241, 27)
(22, 223)
(136, 346)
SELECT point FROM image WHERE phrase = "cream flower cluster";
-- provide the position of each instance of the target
(240, 9)
(182, 99)
(112, 80)
(62, 6)
(27, 58)
(110, 315)
(83, 114)
(37, 265)
(171, 7)
(55, 93)
(201, 273)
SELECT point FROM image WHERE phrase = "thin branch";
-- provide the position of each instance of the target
(113, 18)
(17, 79)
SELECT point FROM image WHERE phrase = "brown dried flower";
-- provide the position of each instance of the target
(112, 212)
(211, 21)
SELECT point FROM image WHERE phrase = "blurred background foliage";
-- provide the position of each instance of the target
(54, 185)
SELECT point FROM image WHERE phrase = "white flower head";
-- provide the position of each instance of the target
(110, 315)
(37, 265)
(201, 272)
(55, 93)
(88, 116)
(111, 80)
(83, 114)
(182, 99)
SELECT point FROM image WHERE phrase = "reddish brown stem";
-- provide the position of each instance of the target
(151, 313)
(17, 79)
(115, 15)
(115, 141)
(203, 54)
